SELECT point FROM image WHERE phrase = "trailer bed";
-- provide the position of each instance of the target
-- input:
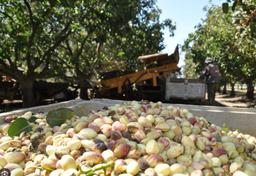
(193, 89)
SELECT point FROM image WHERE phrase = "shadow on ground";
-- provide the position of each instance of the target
(194, 102)
(239, 100)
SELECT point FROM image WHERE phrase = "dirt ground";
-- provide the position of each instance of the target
(224, 100)
(239, 100)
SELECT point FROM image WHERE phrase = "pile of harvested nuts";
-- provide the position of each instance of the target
(135, 138)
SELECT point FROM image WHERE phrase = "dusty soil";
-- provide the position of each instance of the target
(239, 100)
(225, 100)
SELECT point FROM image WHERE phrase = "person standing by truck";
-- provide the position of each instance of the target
(212, 76)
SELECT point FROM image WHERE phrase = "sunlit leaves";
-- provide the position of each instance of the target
(222, 37)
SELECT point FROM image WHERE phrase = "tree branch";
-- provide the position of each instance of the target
(9, 70)
(16, 54)
(98, 50)
(62, 35)
(12, 64)
(5, 14)
(69, 48)
(10, 61)
(76, 57)
(80, 50)
(37, 59)
(29, 11)
(47, 55)
(64, 62)
(34, 27)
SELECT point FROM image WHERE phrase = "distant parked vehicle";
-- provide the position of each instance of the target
(9, 90)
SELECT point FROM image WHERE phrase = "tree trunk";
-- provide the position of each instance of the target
(242, 85)
(232, 93)
(83, 85)
(84, 93)
(218, 89)
(224, 91)
(27, 92)
(250, 89)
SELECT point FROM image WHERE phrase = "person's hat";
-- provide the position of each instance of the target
(208, 60)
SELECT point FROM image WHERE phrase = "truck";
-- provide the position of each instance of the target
(156, 82)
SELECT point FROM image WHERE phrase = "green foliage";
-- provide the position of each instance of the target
(88, 53)
(59, 116)
(32, 119)
(30, 33)
(76, 40)
(18, 126)
(225, 128)
(244, 15)
(145, 36)
(190, 69)
(54, 118)
(104, 167)
(218, 137)
(220, 37)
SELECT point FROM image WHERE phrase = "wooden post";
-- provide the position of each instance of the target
(119, 89)
(154, 80)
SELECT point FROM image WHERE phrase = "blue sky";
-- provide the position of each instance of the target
(186, 14)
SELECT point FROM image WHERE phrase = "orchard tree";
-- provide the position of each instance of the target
(120, 32)
(244, 19)
(190, 68)
(219, 38)
(244, 12)
(31, 33)
(80, 55)
(73, 39)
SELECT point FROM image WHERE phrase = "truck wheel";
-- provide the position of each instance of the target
(38, 98)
